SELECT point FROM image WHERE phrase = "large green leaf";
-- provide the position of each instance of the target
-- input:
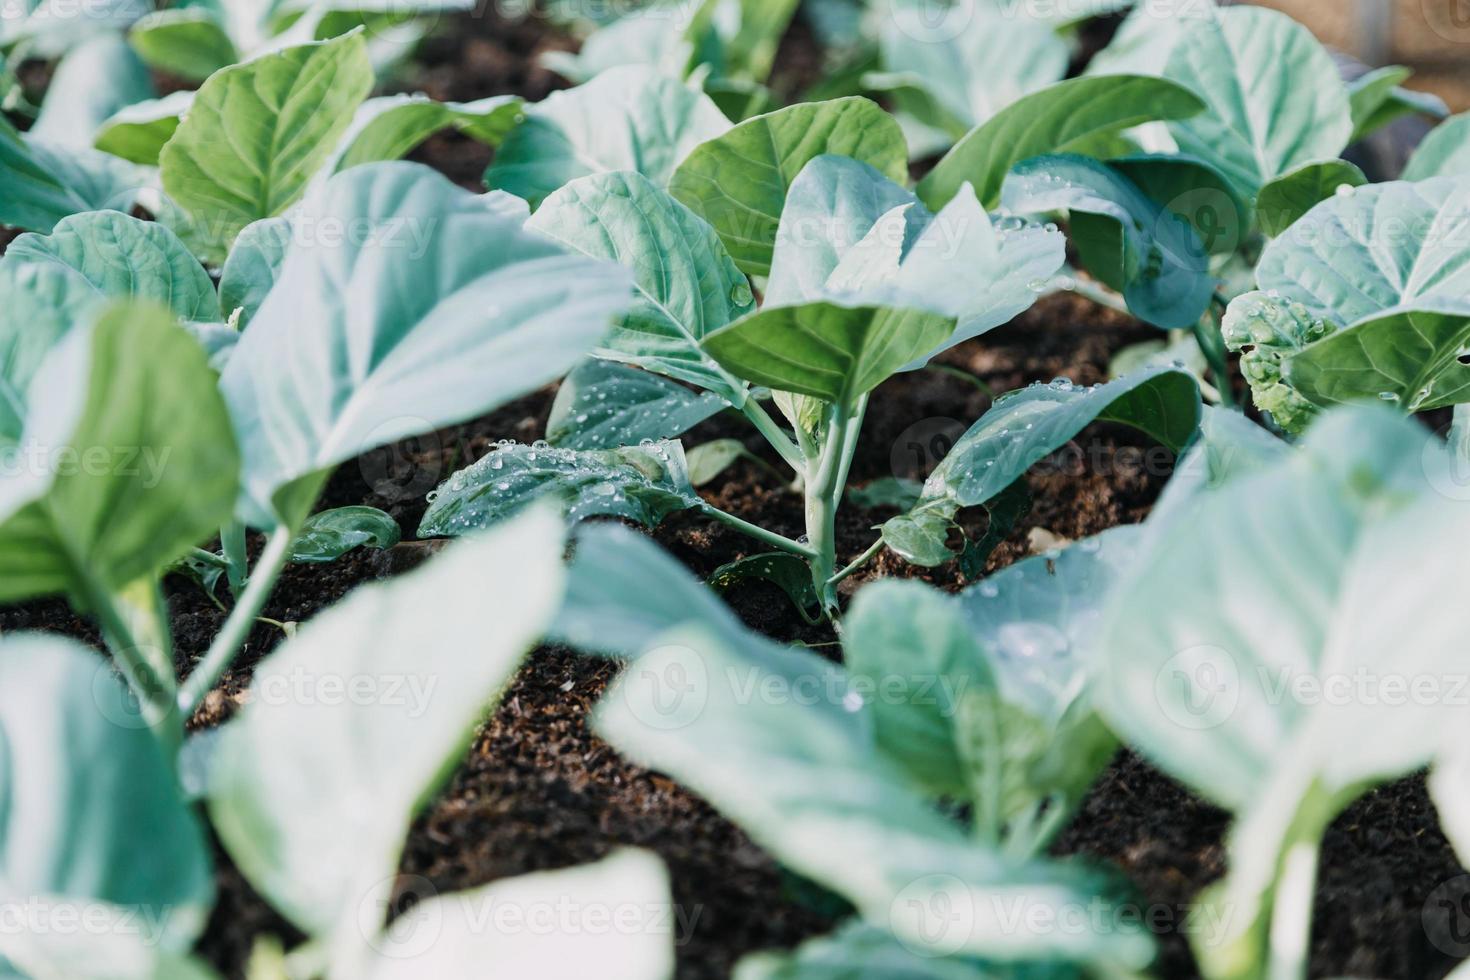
(777, 740)
(383, 691)
(630, 884)
(738, 181)
(1272, 652)
(440, 309)
(188, 41)
(643, 483)
(120, 256)
(627, 118)
(1021, 429)
(967, 62)
(603, 405)
(125, 462)
(41, 183)
(1143, 42)
(1445, 152)
(139, 131)
(39, 303)
(848, 233)
(687, 284)
(1286, 198)
(77, 101)
(1053, 120)
(1126, 240)
(827, 350)
(257, 132)
(388, 128)
(1274, 97)
(91, 811)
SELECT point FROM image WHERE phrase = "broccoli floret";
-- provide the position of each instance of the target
(1267, 330)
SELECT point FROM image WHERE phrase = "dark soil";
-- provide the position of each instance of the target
(539, 791)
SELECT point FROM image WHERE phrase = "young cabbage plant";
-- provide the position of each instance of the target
(310, 792)
(1272, 647)
(1361, 299)
(388, 335)
(979, 700)
(860, 279)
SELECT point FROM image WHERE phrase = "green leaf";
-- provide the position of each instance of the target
(139, 131)
(886, 491)
(319, 833)
(253, 265)
(1052, 120)
(659, 36)
(687, 284)
(625, 881)
(1130, 243)
(798, 771)
(110, 947)
(1142, 43)
(971, 62)
(627, 118)
(39, 303)
(257, 132)
(1194, 190)
(1021, 429)
(189, 42)
(1286, 198)
(119, 256)
(1274, 98)
(1445, 152)
(475, 313)
(738, 181)
(602, 405)
(329, 534)
(389, 127)
(826, 350)
(850, 234)
(40, 183)
(623, 591)
(76, 104)
(1289, 580)
(858, 951)
(782, 569)
(104, 436)
(709, 459)
(91, 812)
(1377, 100)
(640, 483)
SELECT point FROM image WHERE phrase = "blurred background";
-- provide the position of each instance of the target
(1430, 36)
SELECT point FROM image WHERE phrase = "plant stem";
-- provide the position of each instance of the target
(779, 541)
(209, 557)
(1098, 293)
(778, 439)
(236, 563)
(857, 562)
(822, 490)
(237, 627)
(153, 687)
(1211, 344)
(1291, 914)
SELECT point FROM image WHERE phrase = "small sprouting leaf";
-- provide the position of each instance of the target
(1286, 198)
(886, 491)
(389, 127)
(318, 832)
(826, 350)
(92, 813)
(105, 436)
(119, 256)
(687, 284)
(1052, 120)
(1149, 253)
(189, 42)
(1377, 100)
(738, 181)
(1445, 152)
(257, 132)
(45, 183)
(643, 483)
(604, 405)
(627, 118)
(1020, 430)
(253, 265)
(708, 460)
(138, 132)
(464, 947)
(1274, 98)
(476, 312)
(782, 569)
(329, 534)
(76, 105)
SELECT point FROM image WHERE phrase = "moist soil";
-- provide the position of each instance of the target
(538, 790)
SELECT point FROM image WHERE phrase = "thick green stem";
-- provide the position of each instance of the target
(778, 541)
(237, 565)
(778, 439)
(858, 562)
(237, 627)
(823, 488)
(136, 634)
(1291, 914)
